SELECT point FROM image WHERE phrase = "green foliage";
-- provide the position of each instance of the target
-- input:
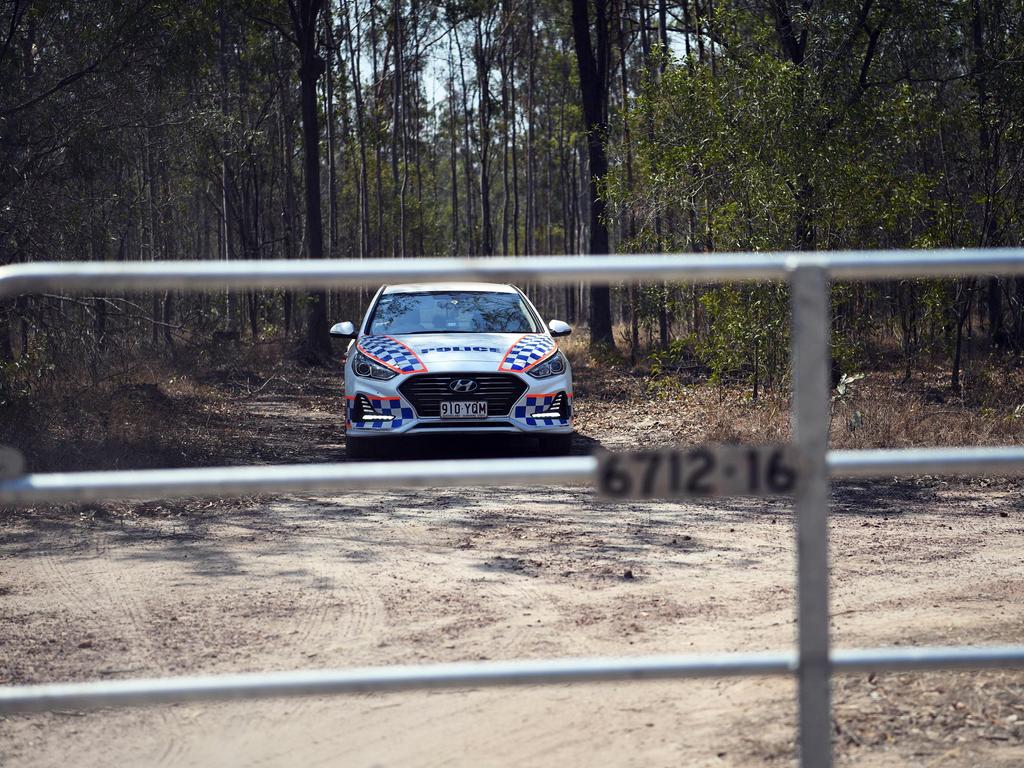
(19, 377)
(748, 336)
(665, 362)
(844, 149)
(752, 150)
(166, 130)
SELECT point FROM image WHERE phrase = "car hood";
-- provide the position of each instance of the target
(436, 349)
(459, 351)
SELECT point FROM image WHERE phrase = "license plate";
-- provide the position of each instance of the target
(470, 409)
(703, 470)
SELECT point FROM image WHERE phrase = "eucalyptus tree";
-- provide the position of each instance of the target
(593, 60)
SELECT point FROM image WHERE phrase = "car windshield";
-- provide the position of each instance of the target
(452, 312)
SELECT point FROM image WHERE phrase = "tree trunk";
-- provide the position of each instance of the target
(378, 247)
(531, 192)
(317, 347)
(453, 153)
(467, 158)
(332, 170)
(227, 234)
(988, 145)
(6, 348)
(288, 212)
(515, 154)
(506, 198)
(364, 185)
(482, 55)
(154, 227)
(593, 72)
(398, 110)
(962, 305)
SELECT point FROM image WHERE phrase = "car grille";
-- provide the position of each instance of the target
(426, 391)
(460, 424)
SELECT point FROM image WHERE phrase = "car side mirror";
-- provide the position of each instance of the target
(558, 328)
(343, 330)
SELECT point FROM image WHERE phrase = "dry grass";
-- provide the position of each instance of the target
(163, 413)
(946, 713)
(194, 410)
(879, 410)
(883, 412)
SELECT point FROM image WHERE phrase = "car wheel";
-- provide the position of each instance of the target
(556, 445)
(361, 448)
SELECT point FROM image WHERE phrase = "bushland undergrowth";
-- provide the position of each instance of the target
(147, 409)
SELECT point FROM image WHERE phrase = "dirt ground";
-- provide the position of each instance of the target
(306, 582)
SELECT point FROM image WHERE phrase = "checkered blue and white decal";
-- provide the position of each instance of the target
(385, 406)
(539, 404)
(392, 353)
(527, 352)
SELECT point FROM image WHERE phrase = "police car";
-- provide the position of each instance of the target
(463, 358)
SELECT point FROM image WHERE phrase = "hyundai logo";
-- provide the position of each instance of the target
(463, 385)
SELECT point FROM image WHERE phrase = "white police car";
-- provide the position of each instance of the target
(455, 358)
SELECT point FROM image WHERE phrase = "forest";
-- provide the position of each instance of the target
(138, 130)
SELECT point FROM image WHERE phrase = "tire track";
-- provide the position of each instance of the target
(104, 601)
(328, 610)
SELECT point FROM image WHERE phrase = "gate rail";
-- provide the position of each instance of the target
(442, 473)
(813, 662)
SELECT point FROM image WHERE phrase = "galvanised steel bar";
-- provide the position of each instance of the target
(810, 424)
(17, 699)
(809, 272)
(686, 267)
(917, 659)
(393, 678)
(901, 462)
(286, 478)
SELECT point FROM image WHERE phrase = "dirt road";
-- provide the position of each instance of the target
(398, 577)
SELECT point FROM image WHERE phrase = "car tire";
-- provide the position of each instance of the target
(556, 445)
(362, 448)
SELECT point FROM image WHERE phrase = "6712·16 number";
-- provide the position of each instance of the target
(707, 470)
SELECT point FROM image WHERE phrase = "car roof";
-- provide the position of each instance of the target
(427, 287)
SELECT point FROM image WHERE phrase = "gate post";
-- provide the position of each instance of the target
(809, 416)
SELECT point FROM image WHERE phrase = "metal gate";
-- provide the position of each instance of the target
(812, 662)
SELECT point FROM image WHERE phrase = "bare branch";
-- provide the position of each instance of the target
(116, 45)
(16, 13)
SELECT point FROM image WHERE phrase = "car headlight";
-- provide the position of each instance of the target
(370, 369)
(553, 366)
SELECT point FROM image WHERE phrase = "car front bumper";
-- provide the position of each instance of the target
(394, 414)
